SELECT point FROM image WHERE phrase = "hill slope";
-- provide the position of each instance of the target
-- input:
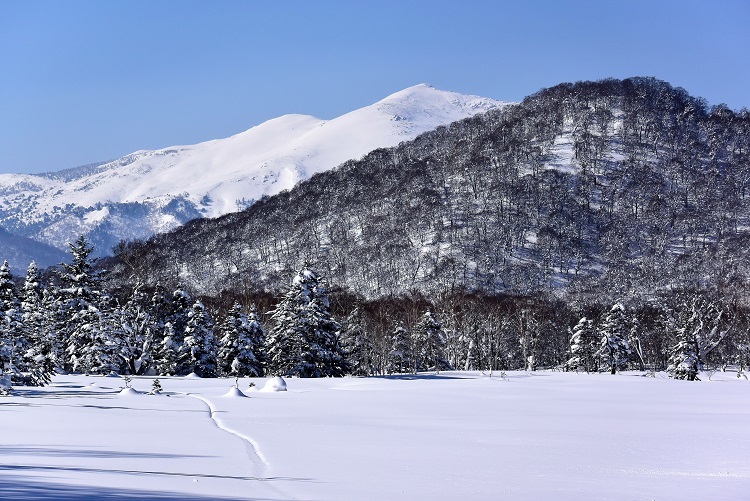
(152, 191)
(22, 250)
(621, 187)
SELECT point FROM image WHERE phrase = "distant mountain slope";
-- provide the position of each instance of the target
(154, 191)
(20, 251)
(620, 187)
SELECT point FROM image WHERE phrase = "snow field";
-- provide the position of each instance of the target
(457, 435)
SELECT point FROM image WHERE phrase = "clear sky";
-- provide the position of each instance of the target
(84, 81)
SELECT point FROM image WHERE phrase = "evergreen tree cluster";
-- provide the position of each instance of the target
(604, 347)
(74, 325)
(304, 338)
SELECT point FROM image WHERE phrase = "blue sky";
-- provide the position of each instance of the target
(83, 81)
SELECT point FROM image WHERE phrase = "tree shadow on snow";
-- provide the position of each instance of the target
(5, 405)
(21, 488)
(27, 392)
(22, 450)
(81, 469)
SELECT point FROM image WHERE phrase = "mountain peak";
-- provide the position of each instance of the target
(422, 90)
(156, 190)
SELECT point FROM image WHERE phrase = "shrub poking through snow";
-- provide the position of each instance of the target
(156, 387)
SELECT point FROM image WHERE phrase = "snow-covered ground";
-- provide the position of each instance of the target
(543, 435)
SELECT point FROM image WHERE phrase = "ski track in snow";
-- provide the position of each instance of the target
(251, 445)
(219, 424)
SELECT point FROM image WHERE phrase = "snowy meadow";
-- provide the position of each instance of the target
(456, 435)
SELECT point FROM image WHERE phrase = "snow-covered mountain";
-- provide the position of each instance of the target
(154, 191)
(618, 187)
(20, 251)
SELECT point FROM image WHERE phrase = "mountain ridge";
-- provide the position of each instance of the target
(214, 177)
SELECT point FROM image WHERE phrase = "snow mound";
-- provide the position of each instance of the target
(129, 392)
(275, 384)
(192, 375)
(234, 392)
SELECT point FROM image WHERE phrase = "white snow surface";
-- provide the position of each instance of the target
(263, 160)
(457, 435)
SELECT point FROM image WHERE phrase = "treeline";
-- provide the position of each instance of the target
(73, 324)
(679, 332)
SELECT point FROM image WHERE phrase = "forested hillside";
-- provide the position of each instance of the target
(615, 188)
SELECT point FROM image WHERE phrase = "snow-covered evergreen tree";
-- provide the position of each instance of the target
(79, 277)
(171, 318)
(55, 325)
(6, 367)
(83, 341)
(699, 329)
(401, 356)
(285, 338)
(198, 351)
(584, 344)
(684, 361)
(107, 338)
(357, 345)
(303, 340)
(14, 343)
(614, 351)
(40, 358)
(429, 343)
(158, 312)
(87, 348)
(179, 311)
(241, 343)
(159, 308)
(133, 328)
(166, 351)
